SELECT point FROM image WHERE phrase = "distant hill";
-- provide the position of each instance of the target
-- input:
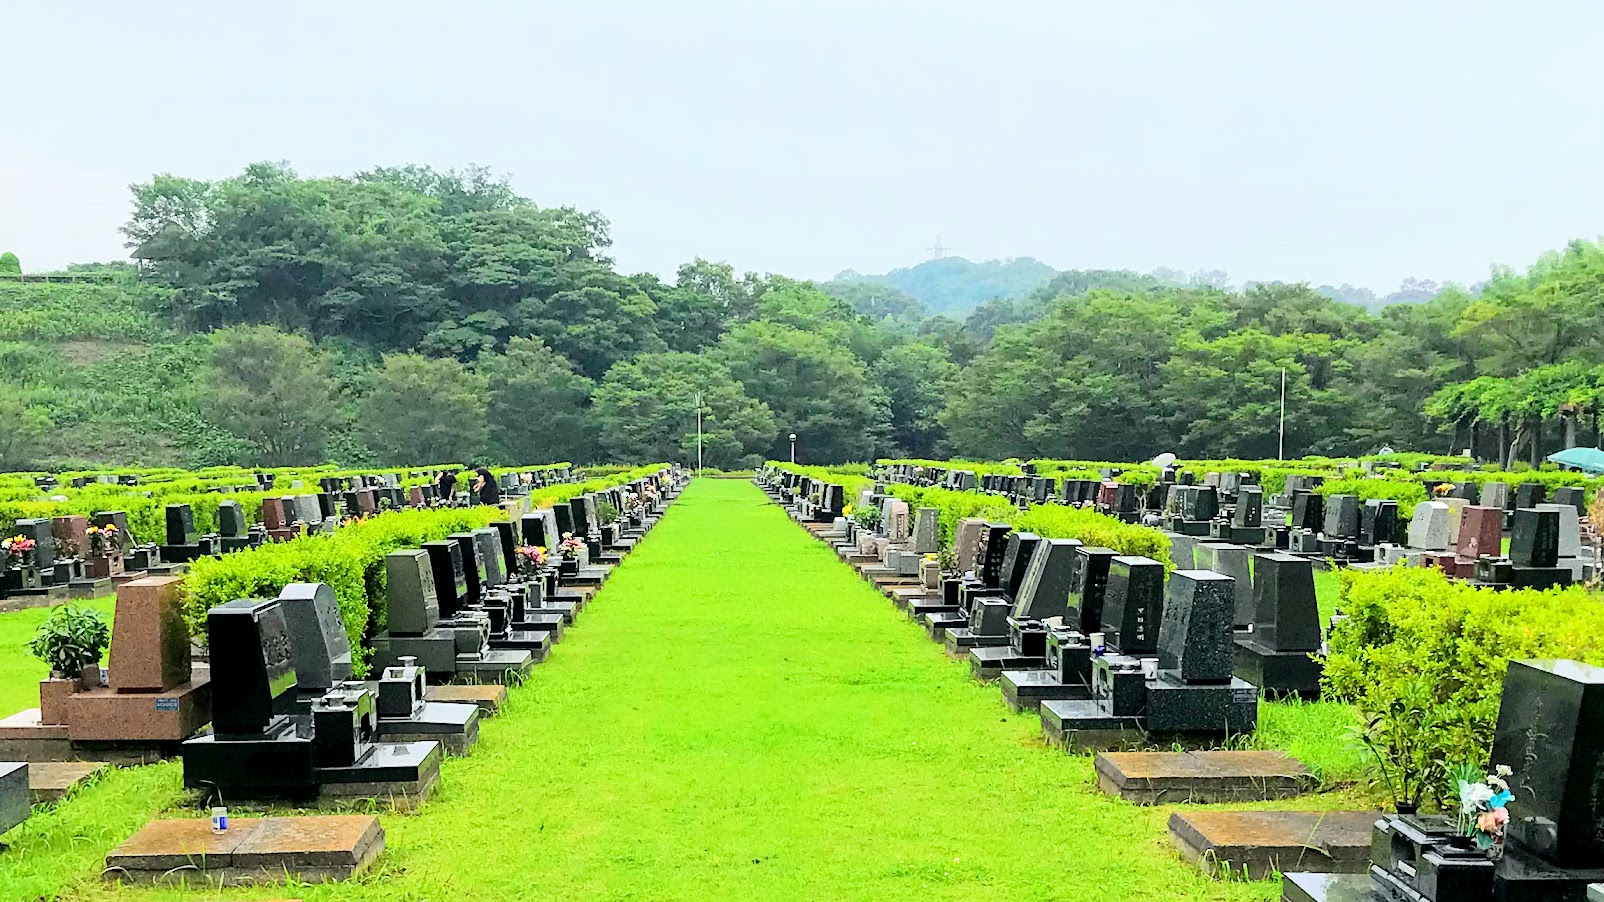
(954, 285)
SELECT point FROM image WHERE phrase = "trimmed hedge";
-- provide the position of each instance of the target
(1423, 658)
(350, 560)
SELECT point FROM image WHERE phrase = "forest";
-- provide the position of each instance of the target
(268, 315)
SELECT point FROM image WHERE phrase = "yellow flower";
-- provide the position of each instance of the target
(846, 511)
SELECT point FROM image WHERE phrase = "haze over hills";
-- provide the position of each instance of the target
(955, 286)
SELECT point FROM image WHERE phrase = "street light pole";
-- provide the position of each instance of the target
(1281, 444)
(698, 433)
(793, 449)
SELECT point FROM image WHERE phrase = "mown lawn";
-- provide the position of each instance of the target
(736, 716)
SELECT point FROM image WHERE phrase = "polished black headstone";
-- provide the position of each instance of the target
(565, 520)
(1016, 560)
(253, 666)
(231, 520)
(181, 525)
(450, 577)
(317, 635)
(1380, 522)
(1534, 537)
(1045, 590)
(473, 566)
(1341, 517)
(507, 535)
(1308, 511)
(1087, 586)
(1550, 732)
(1249, 511)
(1133, 604)
(1286, 614)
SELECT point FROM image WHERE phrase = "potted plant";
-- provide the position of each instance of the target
(71, 640)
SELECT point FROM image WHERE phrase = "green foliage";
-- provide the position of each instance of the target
(1423, 659)
(271, 390)
(9, 263)
(73, 638)
(419, 408)
(538, 407)
(646, 410)
(22, 430)
(956, 285)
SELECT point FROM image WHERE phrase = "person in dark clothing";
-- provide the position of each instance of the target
(447, 482)
(485, 486)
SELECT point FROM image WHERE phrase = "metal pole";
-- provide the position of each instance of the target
(698, 433)
(1281, 446)
(793, 449)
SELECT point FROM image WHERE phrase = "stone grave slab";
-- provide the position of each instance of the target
(1161, 778)
(314, 849)
(14, 801)
(52, 781)
(489, 697)
(1259, 844)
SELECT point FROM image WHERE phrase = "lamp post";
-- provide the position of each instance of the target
(793, 448)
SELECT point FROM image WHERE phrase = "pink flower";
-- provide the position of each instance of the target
(1492, 822)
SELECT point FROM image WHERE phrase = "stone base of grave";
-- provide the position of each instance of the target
(905, 597)
(23, 602)
(129, 576)
(938, 624)
(106, 715)
(1327, 888)
(536, 642)
(548, 620)
(1162, 778)
(1258, 844)
(1025, 690)
(488, 698)
(1278, 674)
(495, 666)
(24, 738)
(315, 849)
(988, 663)
(454, 726)
(399, 795)
(1079, 726)
(37, 598)
(52, 781)
(89, 588)
(959, 640)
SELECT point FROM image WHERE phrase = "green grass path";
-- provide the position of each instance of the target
(736, 716)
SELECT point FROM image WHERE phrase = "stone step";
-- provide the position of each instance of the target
(52, 781)
(489, 697)
(1158, 778)
(1258, 844)
(312, 849)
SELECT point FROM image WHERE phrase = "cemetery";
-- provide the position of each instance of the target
(1238, 690)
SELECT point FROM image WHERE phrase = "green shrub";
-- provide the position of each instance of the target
(1407, 494)
(1423, 659)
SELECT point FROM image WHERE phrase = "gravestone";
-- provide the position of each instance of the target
(1021, 547)
(450, 576)
(413, 606)
(1530, 494)
(1573, 496)
(1534, 538)
(253, 666)
(966, 542)
(1249, 511)
(895, 520)
(317, 635)
(1236, 562)
(1132, 604)
(489, 547)
(1495, 495)
(1308, 511)
(1429, 529)
(1570, 529)
(1275, 654)
(231, 520)
(1379, 522)
(927, 531)
(1481, 531)
(44, 551)
(1044, 591)
(1341, 517)
(1088, 588)
(1195, 634)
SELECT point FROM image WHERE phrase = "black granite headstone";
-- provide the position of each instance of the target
(1087, 586)
(253, 666)
(1534, 537)
(1044, 592)
(1249, 511)
(450, 576)
(1308, 511)
(1133, 604)
(1016, 560)
(181, 525)
(1194, 638)
(317, 635)
(1286, 614)
(1341, 517)
(1380, 522)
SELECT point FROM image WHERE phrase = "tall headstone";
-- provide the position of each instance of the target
(1235, 561)
(1133, 604)
(1088, 587)
(1195, 638)
(150, 641)
(1481, 531)
(1044, 592)
(231, 520)
(1286, 612)
(1534, 537)
(927, 531)
(1428, 529)
(966, 542)
(317, 635)
(413, 608)
(253, 666)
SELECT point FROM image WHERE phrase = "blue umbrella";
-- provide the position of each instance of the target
(1588, 460)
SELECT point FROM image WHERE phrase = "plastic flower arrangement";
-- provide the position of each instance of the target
(846, 510)
(569, 547)
(103, 540)
(18, 546)
(533, 555)
(1483, 814)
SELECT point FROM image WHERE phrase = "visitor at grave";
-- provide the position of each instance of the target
(446, 482)
(484, 485)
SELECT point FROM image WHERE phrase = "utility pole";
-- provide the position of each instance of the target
(1281, 445)
(698, 433)
(939, 251)
(793, 449)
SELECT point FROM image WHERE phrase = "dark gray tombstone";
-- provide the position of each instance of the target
(1044, 592)
(317, 634)
(1574, 496)
(1534, 537)
(1016, 561)
(1195, 639)
(1286, 612)
(1133, 604)
(1087, 587)
(253, 668)
(44, 539)
(181, 525)
(1341, 517)
(489, 546)
(1249, 511)
(413, 607)
(231, 520)
(1379, 522)
(15, 802)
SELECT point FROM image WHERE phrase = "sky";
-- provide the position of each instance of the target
(1359, 142)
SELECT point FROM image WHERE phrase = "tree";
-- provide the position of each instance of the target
(915, 378)
(594, 326)
(22, 430)
(10, 263)
(815, 387)
(419, 410)
(538, 407)
(272, 390)
(646, 409)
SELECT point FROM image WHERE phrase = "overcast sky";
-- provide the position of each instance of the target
(1358, 142)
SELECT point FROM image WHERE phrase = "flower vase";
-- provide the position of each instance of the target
(89, 677)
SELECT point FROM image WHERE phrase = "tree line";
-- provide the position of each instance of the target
(409, 314)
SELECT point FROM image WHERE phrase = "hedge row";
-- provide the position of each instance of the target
(350, 560)
(1423, 658)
